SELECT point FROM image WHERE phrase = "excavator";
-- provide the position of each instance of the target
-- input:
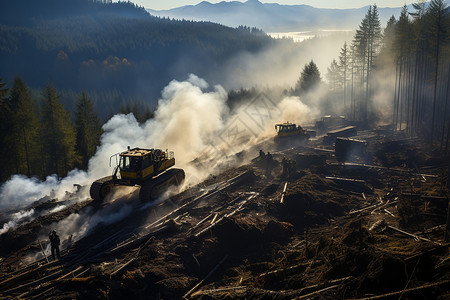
(147, 168)
(290, 134)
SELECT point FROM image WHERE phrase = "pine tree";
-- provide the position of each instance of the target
(4, 130)
(24, 130)
(333, 77)
(58, 134)
(345, 70)
(402, 52)
(367, 42)
(309, 78)
(438, 33)
(88, 129)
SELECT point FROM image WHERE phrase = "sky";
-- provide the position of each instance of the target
(168, 4)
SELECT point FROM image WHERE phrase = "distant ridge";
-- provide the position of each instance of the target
(273, 17)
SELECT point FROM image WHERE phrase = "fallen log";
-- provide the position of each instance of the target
(12, 280)
(36, 282)
(214, 219)
(43, 252)
(353, 184)
(345, 180)
(435, 228)
(242, 287)
(307, 296)
(284, 271)
(375, 206)
(49, 286)
(407, 291)
(121, 267)
(203, 220)
(136, 241)
(388, 212)
(107, 240)
(207, 276)
(385, 168)
(226, 216)
(283, 193)
(203, 196)
(363, 209)
(416, 237)
(310, 289)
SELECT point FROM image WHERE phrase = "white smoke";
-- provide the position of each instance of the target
(20, 190)
(16, 218)
(192, 119)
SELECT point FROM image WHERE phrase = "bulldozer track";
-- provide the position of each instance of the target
(155, 187)
(98, 191)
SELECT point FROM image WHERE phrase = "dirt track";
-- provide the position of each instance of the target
(365, 229)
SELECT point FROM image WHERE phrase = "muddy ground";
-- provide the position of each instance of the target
(369, 228)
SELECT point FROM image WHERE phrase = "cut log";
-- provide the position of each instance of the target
(207, 276)
(407, 291)
(283, 193)
(308, 296)
(413, 235)
(43, 252)
(352, 184)
(388, 212)
(232, 288)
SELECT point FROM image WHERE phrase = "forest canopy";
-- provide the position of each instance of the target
(99, 47)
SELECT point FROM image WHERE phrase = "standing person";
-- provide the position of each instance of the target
(261, 153)
(54, 241)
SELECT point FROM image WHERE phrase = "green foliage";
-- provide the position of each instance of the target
(3, 89)
(81, 45)
(413, 53)
(24, 133)
(88, 129)
(366, 46)
(19, 132)
(41, 140)
(58, 135)
(334, 76)
(309, 78)
(4, 129)
(237, 97)
(141, 111)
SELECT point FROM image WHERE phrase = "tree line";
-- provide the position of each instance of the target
(84, 44)
(38, 136)
(412, 53)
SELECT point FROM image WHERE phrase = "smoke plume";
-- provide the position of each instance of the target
(192, 119)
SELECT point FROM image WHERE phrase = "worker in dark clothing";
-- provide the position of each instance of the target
(54, 241)
(261, 153)
(291, 169)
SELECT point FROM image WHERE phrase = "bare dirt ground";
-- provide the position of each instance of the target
(368, 228)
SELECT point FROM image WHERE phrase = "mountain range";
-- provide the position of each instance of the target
(112, 49)
(273, 17)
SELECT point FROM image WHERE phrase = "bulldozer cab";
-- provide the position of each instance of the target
(285, 127)
(288, 129)
(130, 163)
(136, 165)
